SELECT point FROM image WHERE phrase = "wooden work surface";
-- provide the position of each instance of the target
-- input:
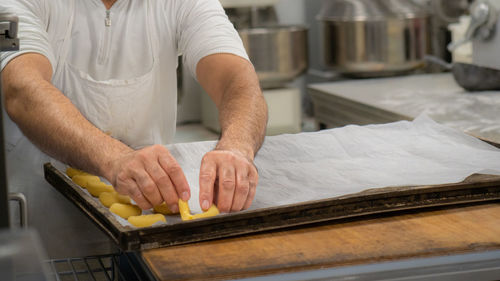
(350, 242)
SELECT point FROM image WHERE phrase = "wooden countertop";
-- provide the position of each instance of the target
(351, 242)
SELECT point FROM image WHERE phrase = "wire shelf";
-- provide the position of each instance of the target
(113, 267)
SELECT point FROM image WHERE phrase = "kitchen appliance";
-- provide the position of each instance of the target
(483, 32)
(8, 42)
(370, 38)
(449, 10)
(470, 76)
(482, 26)
(279, 55)
(484, 72)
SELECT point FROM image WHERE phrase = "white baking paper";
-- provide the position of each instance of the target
(312, 166)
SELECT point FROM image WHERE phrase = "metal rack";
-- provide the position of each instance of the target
(113, 267)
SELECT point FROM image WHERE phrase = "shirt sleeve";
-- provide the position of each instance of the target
(204, 29)
(32, 31)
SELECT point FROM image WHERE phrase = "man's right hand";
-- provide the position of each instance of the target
(149, 176)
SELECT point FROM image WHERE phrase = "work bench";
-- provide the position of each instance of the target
(439, 243)
(386, 100)
(418, 244)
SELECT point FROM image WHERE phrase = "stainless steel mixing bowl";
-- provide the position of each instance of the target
(278, 53)
(373, 37)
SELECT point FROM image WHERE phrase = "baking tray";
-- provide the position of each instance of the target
(476, 188)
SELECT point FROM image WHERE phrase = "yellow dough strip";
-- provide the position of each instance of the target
(110, 198)
(163, 209)
(146, 220)
(96, 188)
(186, 213)
(125, 210)
(85, 180)
(211, 212)
(71, 172)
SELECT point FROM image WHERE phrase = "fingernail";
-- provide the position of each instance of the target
(205, 205)
(173, 208)
(185, 196)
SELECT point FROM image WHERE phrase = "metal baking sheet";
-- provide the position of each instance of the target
(476, 188)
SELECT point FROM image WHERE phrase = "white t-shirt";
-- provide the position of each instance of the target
(122, 51)
(193, 28)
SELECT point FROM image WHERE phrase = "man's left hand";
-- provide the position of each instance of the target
(228, 179)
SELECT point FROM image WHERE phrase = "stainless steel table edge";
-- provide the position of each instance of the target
(471, 266)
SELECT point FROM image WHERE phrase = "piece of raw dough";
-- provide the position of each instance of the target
(84, 180)
(186, 213)
(96, 188)
(146, 220)
(125, 210)
(211, 212)
(71, 172)
(184, 210)
(162, 209)
(110, 198)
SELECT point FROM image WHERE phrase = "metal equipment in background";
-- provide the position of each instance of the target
(483, 74)
(469, 76)
(8, 33)
(372, 38)
(279, 54)
(20, 250)
(112, 267)
(8, 42)
(484, 17)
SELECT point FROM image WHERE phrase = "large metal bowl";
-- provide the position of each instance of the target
(278, 53)
(370, 38)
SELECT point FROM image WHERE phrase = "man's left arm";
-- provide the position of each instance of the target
(228, 176)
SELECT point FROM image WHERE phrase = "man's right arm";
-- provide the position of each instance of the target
(50, 120)
(55, 125)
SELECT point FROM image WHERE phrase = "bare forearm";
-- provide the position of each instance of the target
(233, 85)
(242, 113)
(51, 121)
(227, 175)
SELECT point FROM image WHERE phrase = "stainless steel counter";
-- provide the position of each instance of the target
(385, 100)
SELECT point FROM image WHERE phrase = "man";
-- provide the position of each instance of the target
(89, 68)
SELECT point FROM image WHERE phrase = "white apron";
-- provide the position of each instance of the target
(134, 111)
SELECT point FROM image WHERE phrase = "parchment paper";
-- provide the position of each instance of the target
(312, 166)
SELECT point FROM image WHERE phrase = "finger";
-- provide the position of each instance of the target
(175, 173)
(226, 175)
(147, 186)
(253, 182)
(241, 189)
(140, 200)
(216, 192)
(208, 172)
(136, 194)
(165, 186)
(127, 186)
